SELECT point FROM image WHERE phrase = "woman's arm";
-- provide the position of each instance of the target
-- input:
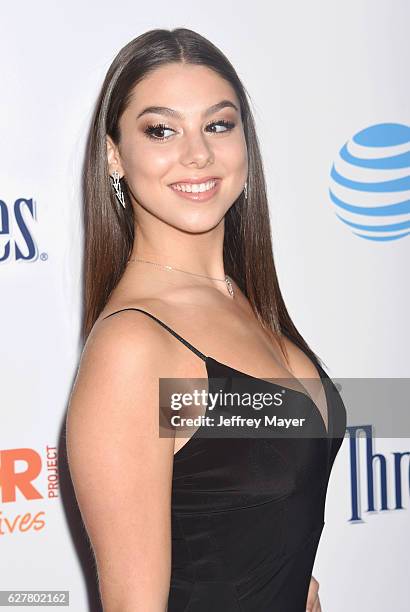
(120, 467)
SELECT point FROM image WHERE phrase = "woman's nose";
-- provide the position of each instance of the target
(196, 149)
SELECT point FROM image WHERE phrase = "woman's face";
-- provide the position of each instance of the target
(190, 141)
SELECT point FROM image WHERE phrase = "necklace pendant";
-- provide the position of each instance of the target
(229, 285)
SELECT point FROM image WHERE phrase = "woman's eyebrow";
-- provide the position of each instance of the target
(170, 112)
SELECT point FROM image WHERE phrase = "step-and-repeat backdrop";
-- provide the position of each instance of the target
(330, 92)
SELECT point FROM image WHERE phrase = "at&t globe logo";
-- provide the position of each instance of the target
(370, 182)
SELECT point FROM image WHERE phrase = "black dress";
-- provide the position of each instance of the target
(248, 512)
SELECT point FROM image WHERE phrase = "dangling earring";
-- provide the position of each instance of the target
(246, 190)
(115, 182)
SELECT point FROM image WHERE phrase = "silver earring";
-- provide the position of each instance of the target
(246, 190)
(115, 182)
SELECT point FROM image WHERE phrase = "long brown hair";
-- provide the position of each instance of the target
(109, 228)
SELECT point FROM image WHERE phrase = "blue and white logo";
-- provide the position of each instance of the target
(16, 232)
(370, 182)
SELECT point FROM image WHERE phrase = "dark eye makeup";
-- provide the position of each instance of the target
(151, 130)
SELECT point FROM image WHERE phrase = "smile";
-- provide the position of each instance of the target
(194, 187)
(197, 191)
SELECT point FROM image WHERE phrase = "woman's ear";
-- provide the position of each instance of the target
(113, 157)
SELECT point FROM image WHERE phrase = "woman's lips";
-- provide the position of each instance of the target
(199, 196)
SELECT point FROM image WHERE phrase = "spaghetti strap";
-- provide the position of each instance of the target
(174, 333)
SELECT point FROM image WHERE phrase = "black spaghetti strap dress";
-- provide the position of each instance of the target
(248, 512)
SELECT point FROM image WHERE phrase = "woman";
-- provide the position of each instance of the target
(180, 282)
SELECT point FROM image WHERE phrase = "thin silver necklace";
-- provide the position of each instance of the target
(225, 280)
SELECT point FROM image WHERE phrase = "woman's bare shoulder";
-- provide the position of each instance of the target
(129, 324)
(129, 345)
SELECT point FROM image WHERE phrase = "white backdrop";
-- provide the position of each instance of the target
(318, 73)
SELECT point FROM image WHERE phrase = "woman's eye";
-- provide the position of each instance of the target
(152, 131)
(228, 125)
(156, 132)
